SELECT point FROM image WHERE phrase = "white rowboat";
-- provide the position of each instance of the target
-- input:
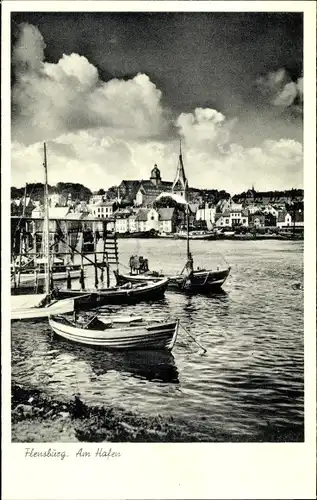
(122, 336)
(29, 307)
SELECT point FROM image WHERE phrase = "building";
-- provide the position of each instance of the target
(57, 200)
(132, 223)
(22, 206)
(148, 191)
(167, 220)
(102, 209)
(269, 209)
(207, 214)
(287, 219)
(257, 219)
(225, 205)
(95, 198)
(141, 219)
(232, 218)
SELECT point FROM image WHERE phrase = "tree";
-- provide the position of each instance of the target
(167, 201)
(101, 191)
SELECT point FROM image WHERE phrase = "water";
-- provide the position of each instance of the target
(252, 377)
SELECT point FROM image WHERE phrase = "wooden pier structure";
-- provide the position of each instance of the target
(92, 239)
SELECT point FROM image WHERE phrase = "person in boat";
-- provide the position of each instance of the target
(133, 263)
(140, 265)
(189, 267)
(188, 272)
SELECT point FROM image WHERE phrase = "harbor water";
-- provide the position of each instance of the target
(249, 382)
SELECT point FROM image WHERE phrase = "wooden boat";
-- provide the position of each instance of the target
(118, 335)
(126, 293)
(200, 280)
(196, 235)
(38, 306)
(189, 279)
(167, 235)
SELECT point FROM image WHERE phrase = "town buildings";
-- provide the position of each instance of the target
(160, 206)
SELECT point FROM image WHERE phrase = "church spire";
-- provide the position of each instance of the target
(180, 183)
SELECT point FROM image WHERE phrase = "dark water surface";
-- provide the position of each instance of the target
(252, 377)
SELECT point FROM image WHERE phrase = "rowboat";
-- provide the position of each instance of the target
(126, 293)
(117, 335)
(38, 306)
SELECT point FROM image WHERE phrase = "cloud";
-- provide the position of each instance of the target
(204, 125)
(280, 89)
(97, 160)
(99, 133)
(56, 98)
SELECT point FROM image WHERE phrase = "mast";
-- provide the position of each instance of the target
(46, 249)
(186, 199)
(21, 242)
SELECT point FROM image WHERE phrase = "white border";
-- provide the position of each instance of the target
(170, 470)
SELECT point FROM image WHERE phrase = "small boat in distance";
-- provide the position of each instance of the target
(117, 333)
(196, 235)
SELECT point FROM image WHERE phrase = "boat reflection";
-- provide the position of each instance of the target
(155, 366)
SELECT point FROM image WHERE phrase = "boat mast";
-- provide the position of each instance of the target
(46, 249)
(186, 199)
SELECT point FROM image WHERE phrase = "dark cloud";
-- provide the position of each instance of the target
(192, 57)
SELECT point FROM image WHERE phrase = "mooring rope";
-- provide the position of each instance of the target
(195, 340)
(222, 255)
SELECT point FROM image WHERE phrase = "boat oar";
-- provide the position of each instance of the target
(193, 338)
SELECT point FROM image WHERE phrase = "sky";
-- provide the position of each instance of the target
(112, 94)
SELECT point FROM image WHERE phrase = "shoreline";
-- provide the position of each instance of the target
(37, 417)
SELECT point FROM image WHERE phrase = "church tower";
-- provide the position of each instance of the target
(180, 184)
(155, 176)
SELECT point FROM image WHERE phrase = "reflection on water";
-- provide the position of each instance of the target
(158, 366)
(249, 380)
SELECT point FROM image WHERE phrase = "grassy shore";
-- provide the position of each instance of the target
(37, 417)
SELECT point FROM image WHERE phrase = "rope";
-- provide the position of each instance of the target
(193, 338)
(221, 255)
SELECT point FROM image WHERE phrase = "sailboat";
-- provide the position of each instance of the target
(33, 306)
(189, 279)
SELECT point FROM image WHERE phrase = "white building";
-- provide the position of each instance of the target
(102, 209)
(286, 219)
(269, 209)
(232, 218)
(95, 198)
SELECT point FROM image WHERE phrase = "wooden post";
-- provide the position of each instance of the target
(82, 276)
(95, 258)
(108, 270)
(14, 272)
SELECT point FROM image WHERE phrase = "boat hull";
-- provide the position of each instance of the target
(38, 312)
(118, 295)
(197, 236)
(161, 336)
(200, 281)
